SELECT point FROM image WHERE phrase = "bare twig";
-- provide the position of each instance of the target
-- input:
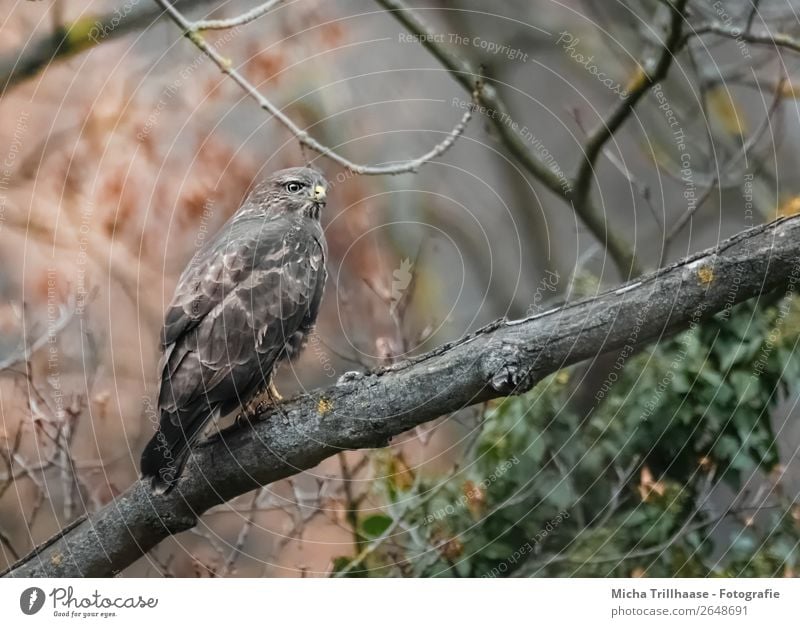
(777, 40)
(239, 20)
(5, 540)
(66, 312)
(8, 461)
(244, 532)
(351, 502)
(191, 32)
(751, 18)
(604, 132)
(623, 476)
(641, 188)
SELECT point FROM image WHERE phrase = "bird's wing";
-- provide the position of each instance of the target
(233, 313)
(213, 272)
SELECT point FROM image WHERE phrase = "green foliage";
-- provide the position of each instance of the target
(582, 477)
(374, 527)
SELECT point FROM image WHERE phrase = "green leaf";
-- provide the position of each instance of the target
(375, 526)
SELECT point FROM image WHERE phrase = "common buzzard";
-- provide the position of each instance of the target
(247, 301)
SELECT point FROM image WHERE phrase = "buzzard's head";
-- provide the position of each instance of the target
(299, 191)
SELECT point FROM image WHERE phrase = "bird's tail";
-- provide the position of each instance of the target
(166, 453)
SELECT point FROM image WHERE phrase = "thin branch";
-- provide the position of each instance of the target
(778, 40)
(244, 533)
(191, 32)
(751, 18)
(606, 130)
(351, 502)
(5, 540)
(240, 20)
(65, 314)
(641, 188)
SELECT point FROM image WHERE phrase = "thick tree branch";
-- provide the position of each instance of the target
(367, 410)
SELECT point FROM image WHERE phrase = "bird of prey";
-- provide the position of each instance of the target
(248, 300)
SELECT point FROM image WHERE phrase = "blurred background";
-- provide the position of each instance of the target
(123, 149)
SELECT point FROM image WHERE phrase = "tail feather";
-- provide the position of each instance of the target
(166, 453)
(162, 462)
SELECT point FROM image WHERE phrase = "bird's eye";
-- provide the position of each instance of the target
(293, 187)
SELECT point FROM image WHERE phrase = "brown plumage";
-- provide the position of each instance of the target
(247, 301)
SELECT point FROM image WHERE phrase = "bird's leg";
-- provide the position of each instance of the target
(250, 409)
(275, 399)
(271, 396)
(273, 393)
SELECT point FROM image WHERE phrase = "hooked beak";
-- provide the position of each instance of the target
(319, 194)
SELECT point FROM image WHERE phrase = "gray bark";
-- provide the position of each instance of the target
(366, 410)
